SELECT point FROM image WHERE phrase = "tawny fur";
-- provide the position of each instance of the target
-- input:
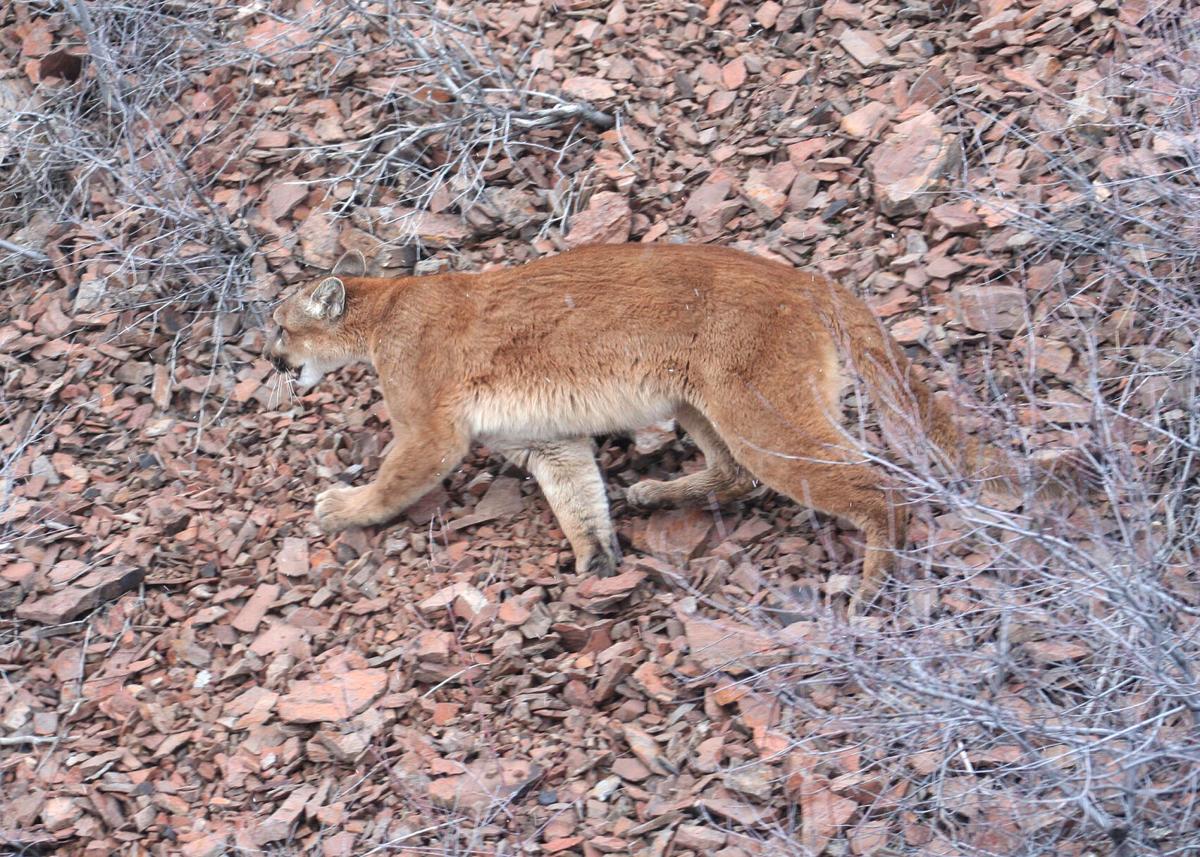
(747, 354)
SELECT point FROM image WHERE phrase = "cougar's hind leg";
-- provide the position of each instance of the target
(570, 479)
(791, 444)
(721, 480)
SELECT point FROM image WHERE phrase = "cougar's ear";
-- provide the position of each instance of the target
(328, 300)
(352, 264)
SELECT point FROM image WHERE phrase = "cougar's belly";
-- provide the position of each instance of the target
(554, 413)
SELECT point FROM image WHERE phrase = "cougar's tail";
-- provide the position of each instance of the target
(913, 420)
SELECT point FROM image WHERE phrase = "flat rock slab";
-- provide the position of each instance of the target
(332, 700)
(911, 165)
(86, 593)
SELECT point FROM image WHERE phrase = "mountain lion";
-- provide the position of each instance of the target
(745, 353)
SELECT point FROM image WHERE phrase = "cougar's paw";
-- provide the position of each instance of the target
(644, 494)
(341, 508)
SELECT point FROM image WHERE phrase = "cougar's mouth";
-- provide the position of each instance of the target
(281, 365)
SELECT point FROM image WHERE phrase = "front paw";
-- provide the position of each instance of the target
(644, 494)
(341, 508)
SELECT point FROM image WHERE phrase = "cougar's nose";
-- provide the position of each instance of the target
(279, 363)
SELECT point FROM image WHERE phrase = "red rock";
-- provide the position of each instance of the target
(283, 197)
(721, 644)
(212, 845)
(513, 612)
(86, 593)
(991, 309)
(764, 196)
(606, 220)
(255, 608)
(823, 813)
(678, 535)
(648, 678)
(293, 557)
(59, 813)
(911, 165)
(909, 330)
(705, 203)
(957, 216)
(866, 47)
(703, 840)
(484, 783)
(767, 14)
(588, 88)
(334, 699)
(629, 768)
(869, 836)
(564, 843)
(502, 499)
(441, 600)
(708, 755)
(719, 102)
(434, 646)
(867, 121)
(840, 10)
(733, 74)
(597, 594)
(644, 746)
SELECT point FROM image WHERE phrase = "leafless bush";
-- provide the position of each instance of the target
(103, 180)
(1029, 683)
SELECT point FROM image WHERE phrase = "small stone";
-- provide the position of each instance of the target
(841, 10)
(598, 594)
(89, 297)
(703, 840)
(606, 220)
(708, 755)
(866, 121)
(767, 201)
(629, 768)
(212, 845)
(292, 559)
(733, 74)
(957, 216)
(446, 596)
(719, 102)
(563, 843)
(705, 202)
(644, 746)
(910, 330)
(755, 782)
(588, 88)
(59, 813)
(991, 309)
(721, 644)
(767, 14)
(332, 700)
(911, 165)
(678, 535)
(255, 608)
(503, 498)
(866, 47)
(484, 783)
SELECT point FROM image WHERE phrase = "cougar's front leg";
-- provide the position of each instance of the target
(419, 459)
(568, 475)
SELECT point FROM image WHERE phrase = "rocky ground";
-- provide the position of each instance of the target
(187, 665)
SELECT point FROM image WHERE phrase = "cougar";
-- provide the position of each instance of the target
(748, 355)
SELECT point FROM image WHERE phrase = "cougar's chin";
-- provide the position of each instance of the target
(309, 376)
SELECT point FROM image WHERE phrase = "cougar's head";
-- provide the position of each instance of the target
(310, 337)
